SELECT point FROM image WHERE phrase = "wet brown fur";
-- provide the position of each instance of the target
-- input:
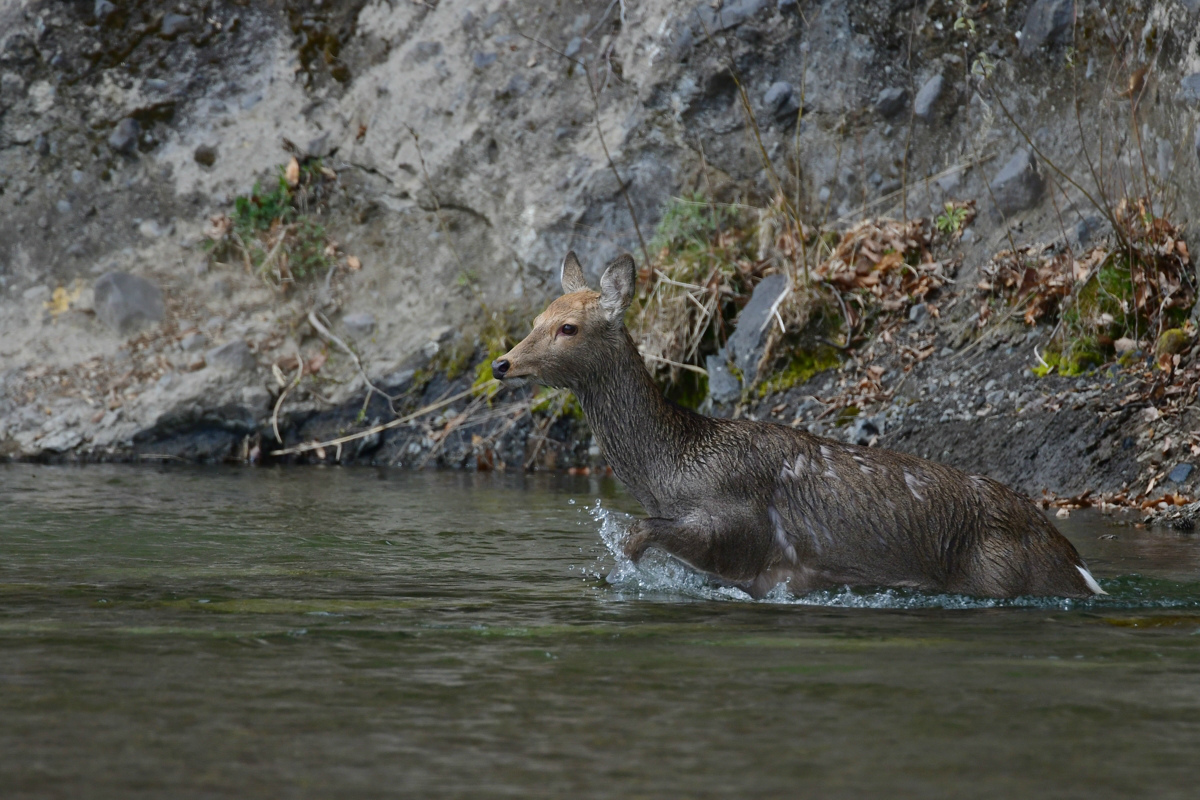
(758, 504)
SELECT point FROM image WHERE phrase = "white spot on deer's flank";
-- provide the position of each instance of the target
(914, 485)
(827, 454)
(1089, 580)
(781, 537)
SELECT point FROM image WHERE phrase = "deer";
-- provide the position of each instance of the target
(756, 504)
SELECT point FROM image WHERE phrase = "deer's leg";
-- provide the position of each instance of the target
(685, 542)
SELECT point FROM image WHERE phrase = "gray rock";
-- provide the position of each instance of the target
(41, 145)
(928, 96)
(865, 429)
(731, 14)
(126, 302)
(723, 386)
(103, 10)
(1047, 22)
(1189, 90)
(745, 346)
(61, 441)
(359, 325)
(1180, 473)
(63, 206)
(157, 85)
(317, 146)
(423, 51)
(232, 357)
(124, 137)
(1019, 185)
(917, 312)
(173, 25)
(780, 100)
(483, 60)
(205, 155)
(891, 101)
(1087, 228)
(193, 342)
(573, 47)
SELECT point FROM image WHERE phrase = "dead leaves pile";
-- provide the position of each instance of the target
(890, 261)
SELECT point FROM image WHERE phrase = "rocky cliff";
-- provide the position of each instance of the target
(437, 159)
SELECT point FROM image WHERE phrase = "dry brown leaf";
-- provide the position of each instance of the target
(292, 173)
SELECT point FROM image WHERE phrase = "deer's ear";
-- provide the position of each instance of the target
(572, 275)
(617, 286)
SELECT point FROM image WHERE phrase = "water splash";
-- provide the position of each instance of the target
(660, 577)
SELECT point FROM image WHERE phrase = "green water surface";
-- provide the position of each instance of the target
(185, 632)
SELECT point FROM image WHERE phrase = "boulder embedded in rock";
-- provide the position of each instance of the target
(745, 346)
(205, 155)
(1019, 185)
(891, 101)
(780, 100)
(1189, 90)
(928, 96)
(173, 25)
(730, 15)
(232, 357)
(124, 137)
(359, 325)
(126, 302)
(1047, 22)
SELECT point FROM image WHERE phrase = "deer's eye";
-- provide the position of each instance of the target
(568, 330)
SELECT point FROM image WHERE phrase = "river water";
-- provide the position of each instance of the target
(186, 632)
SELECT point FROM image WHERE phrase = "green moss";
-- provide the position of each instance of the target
(803, 365)
(1072, 358)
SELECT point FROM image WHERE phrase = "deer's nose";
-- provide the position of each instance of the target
(500, 368)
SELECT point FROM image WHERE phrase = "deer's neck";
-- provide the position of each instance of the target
(644, 436)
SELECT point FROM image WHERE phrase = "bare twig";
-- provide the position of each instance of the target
(308, 446)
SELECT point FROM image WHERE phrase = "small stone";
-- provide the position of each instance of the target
(1125, 345)
(573, 47)
(63, 206)
(483, 60)
(126, 302)
(1087, 228)
(103, 10)
(193, 342)
(1180, 473)
(157, 85)
(151, 229)
(917, 312)
(173, 25)
(205, 155)
(1047, 22)
(780, 100)
(359, 325)
(124, 137)
(891, 101)
(1189, 90)
(41, 145)
(77, 177)
(423, 51)
(232, 357)
(928, 96)
(1019, 185)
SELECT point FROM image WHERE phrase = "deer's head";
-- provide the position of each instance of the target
(579, 332)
